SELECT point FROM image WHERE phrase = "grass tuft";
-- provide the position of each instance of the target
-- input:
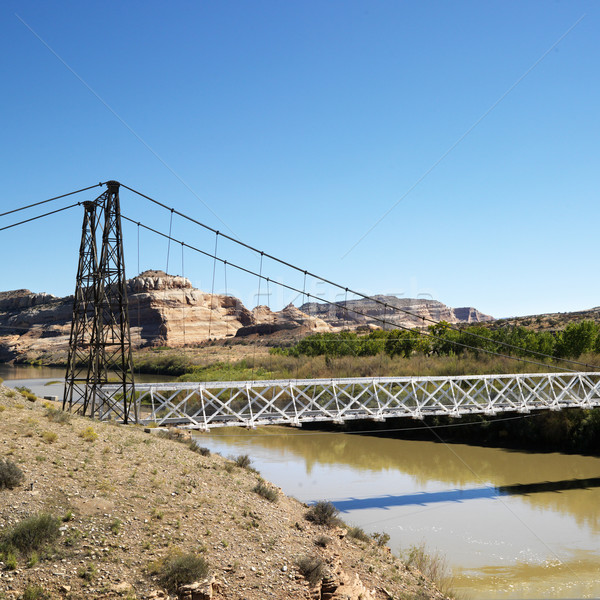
(262, 489)
(49, 437)
(433, 566)
(322, 541)
(58, 416)
(89, 434)
(31, 534)
(381, 539)
(26, 393)
(35, 592)
(358, 533)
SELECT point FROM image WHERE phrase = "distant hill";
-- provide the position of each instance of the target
(411, 313)
(551, 321)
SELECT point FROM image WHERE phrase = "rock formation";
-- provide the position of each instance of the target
(409, 312)
(266, 322)
(166, 310)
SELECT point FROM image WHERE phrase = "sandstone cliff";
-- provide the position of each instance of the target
(166, 310)
(410, 312)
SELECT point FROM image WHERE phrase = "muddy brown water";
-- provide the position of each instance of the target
(510, 524)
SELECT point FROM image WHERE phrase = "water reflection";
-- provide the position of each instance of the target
(512, 524)
(455, 466)
(458, 495)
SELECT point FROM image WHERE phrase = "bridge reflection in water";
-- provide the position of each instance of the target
(458, 495)
(293, 402)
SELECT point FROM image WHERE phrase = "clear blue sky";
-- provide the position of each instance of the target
(300, 125)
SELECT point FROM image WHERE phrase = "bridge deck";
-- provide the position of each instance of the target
(293, 402)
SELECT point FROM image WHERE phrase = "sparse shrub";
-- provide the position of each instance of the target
(26, 393)
(262, 489)
(322, 541)
(433, 566)
(312, 569)
(2, 408)
(192, 445)
(10, 474)
(35, 592)
(358, 533)
(31, 534)
(10, 394)
(58, 416)
(229, 467)
(10, 560)
(34, 559)
(88, 573)
(243, 461)
(115, 526)
(323, 513)
(180, 568)
(49, 437)
(89, 434)
(381, 539)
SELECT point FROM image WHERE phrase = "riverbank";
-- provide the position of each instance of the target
(128, 501)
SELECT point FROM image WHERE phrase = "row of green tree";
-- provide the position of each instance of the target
(442, 339)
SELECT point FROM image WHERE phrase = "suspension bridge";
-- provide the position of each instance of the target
(100, 382)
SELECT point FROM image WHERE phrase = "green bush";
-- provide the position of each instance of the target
(243, 461)
(262, 489)
(88, 434)
(322, 541)
(10, 560)
(10, 474)
(323, 513)
(358, 533)
(381, 539)
(179, 569)
(26, 393)
(35, 592)
(312, 569)
(88, 573)
(31, 534)
(58, 416)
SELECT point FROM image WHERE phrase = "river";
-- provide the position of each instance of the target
(50, 381)
(510, 524)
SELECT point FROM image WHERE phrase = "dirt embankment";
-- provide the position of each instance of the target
(127, 499)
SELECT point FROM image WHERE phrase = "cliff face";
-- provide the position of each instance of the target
(163, 310)
(371, 313)
(167, 311)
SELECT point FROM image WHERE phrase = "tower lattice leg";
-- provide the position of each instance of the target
(100, 342)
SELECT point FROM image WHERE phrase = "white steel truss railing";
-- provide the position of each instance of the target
(293, 402)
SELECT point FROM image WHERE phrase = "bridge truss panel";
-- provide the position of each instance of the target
(293, 402)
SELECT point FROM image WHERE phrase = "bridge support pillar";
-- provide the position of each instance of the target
(100, 341)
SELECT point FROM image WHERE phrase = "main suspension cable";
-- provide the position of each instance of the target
(10, 212)
(53, 212)
(364, 296)
(309, 295)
